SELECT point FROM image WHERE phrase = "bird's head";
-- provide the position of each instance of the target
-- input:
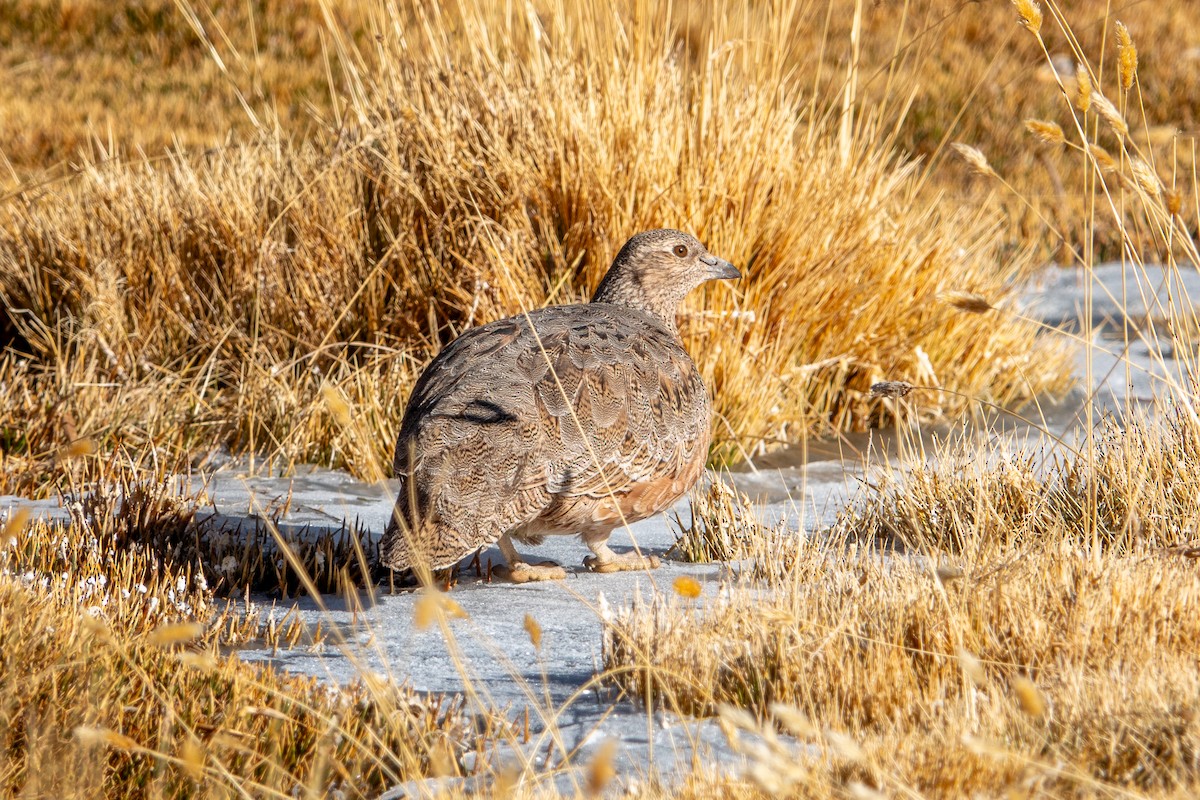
(656, 269)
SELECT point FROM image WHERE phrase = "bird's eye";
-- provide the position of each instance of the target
(680, 250)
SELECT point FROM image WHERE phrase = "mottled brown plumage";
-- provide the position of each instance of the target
(574, 419)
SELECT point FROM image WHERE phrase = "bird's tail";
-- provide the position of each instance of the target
(409, 541)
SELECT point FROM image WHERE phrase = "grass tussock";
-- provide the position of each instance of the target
(122, 77)
(1136, 488)
(130, 501)
(1044, 669)
(720, 527)
(126, 685)
(100, 80)
(220, 295)
(1030, 637)
(1036, 632)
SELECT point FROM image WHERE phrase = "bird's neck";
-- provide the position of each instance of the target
(622, 290)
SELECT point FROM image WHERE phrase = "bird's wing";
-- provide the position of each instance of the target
(465, 443)
(619, 403)
(586, 402)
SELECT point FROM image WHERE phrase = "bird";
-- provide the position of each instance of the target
(567, 420)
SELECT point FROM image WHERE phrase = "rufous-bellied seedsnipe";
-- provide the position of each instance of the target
(572, 419)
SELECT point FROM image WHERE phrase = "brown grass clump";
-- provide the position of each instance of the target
(721, 526)
(1006, 669)
(1037, 632)
(1136, 488)
(1040, 631)
(125, 686)
(93, 704)
(132, 502)
(98, 80)
(219, 294)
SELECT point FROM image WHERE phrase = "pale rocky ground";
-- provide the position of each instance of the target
(491, 655)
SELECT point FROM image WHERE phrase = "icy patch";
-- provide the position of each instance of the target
(490, 652)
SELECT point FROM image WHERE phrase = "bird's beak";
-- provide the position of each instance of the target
(720, 269)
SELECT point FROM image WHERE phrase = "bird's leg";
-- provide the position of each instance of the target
(518, 570)
(605, 560)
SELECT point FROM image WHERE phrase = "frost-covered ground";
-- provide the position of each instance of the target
(490, 654)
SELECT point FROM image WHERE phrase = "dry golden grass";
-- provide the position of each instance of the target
(126, 686)
(718, 527)
(276, 290)
(1006, 654)
(131, 495)
(205, 300)
(1137, 487)
(112, 79)
(89, 79)
(977, 76)
(1029, 626)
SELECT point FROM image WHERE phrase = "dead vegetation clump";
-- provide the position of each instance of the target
(127, 686)
(130, 501)
(119, 78)
(1137, 489)
(219, 295)
(1011, 667)
(93, 704)
(720, 527)
(1038, 631)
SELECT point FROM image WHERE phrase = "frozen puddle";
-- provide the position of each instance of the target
(490, 655)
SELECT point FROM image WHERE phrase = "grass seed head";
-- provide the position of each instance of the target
(97, 628)
(948, 573)
(794, 720)
(1048, 132)
(89, 735)
(602, 770)
(534, 630)
(1030, 14)
(1103, 159)
(844, 746)
(687, 586)
(191, 757)
(1174, 201)
(175, 633)
(1145, 176)
(1127, 57)
(198, 661)
(431, 605)
(737, 719)
(442, 763)
(971, 667)
(1083, 88)
(77, 449)
(891, 389)
(1029, 697)
(425, 610)
(970, 302)
(975, 157)
(16, 523)
(1110, 114)
(336, 405)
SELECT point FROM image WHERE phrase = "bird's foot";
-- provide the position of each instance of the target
(621, 563)
(524, 572)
